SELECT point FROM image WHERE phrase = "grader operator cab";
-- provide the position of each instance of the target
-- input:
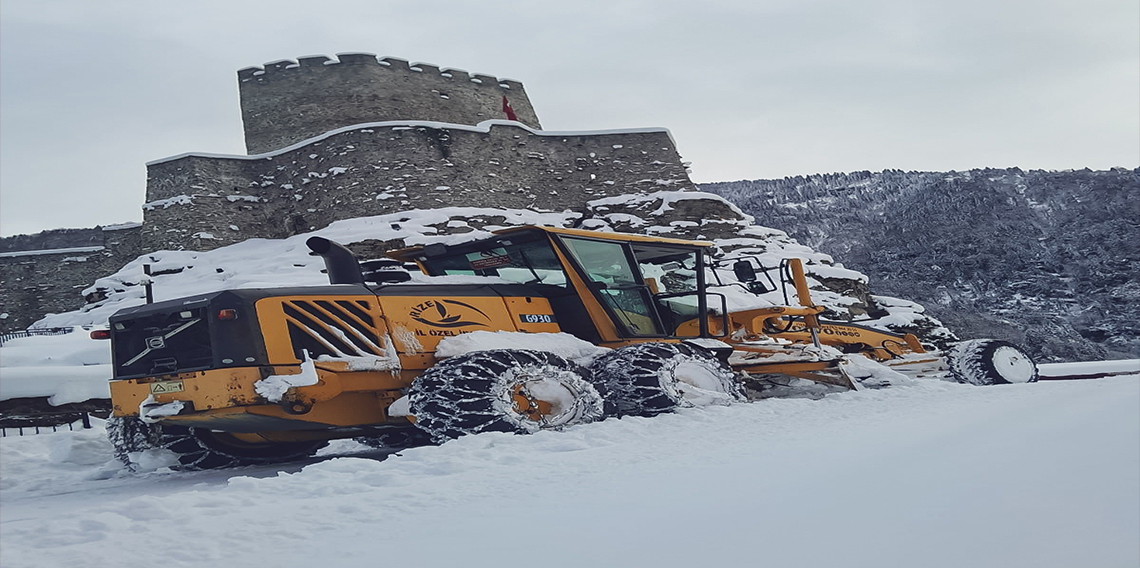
(262, 375)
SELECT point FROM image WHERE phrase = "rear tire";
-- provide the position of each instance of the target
(990, 362)
(647, 379)
(502, 391)
(197, 448)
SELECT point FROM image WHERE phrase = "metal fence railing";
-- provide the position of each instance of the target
(15, 428)
(26, 416)
(10, 335)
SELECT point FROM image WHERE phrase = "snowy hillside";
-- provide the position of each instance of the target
(1047, 260)
(258, 263)
(934, 474)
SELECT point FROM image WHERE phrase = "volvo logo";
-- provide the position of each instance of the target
(156, 342)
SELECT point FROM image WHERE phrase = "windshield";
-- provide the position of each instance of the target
(531, 261)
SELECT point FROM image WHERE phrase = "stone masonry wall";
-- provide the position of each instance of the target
(204, 202)
(288, 101)
(53, 239)
(35, 283)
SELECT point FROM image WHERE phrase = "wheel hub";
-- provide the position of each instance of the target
(1013, 365)
(528, 405)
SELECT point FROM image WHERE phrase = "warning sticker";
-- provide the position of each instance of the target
(492, 258)
(166, 387)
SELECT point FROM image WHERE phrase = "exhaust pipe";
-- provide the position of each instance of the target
(339, 261)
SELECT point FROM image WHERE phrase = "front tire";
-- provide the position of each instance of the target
(990, 362)
(646, 379)
(502, 390)
(197, 448)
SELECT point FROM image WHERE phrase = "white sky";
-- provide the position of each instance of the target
(751, 89)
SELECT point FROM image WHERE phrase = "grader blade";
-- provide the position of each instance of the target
(828, 372)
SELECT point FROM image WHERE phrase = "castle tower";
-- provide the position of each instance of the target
(361, 136)
(287, 101)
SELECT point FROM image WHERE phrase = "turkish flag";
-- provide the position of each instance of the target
(510, 112)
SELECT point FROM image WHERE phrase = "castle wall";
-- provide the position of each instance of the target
(339, 139)
(201, 202)
(53, 239)
(287, 101)
(38, 282)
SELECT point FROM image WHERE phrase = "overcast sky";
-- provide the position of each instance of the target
(751, 89)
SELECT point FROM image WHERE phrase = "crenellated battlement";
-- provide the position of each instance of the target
(268, 71)
(290, 100)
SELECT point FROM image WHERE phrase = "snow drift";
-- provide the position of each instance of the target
(934, 474)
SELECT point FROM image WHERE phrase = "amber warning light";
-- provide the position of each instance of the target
(227, 314)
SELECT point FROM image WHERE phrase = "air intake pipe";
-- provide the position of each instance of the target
(339, 261)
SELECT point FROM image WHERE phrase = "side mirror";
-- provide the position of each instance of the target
(384, 271)
(434, 250)
(744, 271)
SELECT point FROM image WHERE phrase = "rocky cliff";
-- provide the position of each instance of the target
(1046, 259)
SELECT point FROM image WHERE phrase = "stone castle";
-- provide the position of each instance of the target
(332, 139)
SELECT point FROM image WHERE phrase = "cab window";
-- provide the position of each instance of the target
(530, 262)
(617, 283)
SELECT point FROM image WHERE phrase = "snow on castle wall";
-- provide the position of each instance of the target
(350, 137)
(201, 202)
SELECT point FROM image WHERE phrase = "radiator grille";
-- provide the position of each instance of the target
(336, 328)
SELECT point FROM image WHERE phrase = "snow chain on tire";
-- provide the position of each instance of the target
(481, 392)
(197, 448)
(647, 379)
(990, 362)
(396, 438)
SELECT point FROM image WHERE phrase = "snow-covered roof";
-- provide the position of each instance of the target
(482, 127)
(71, 250)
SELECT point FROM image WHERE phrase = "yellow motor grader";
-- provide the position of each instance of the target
(261, 375)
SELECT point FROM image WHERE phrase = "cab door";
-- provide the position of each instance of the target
(611, 273)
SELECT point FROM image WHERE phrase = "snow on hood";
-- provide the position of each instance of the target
(561, 344)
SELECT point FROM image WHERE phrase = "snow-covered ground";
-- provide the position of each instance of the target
(925, 473)
(930, 474)
(74, 368)
(65, 368)
(1090, 368)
